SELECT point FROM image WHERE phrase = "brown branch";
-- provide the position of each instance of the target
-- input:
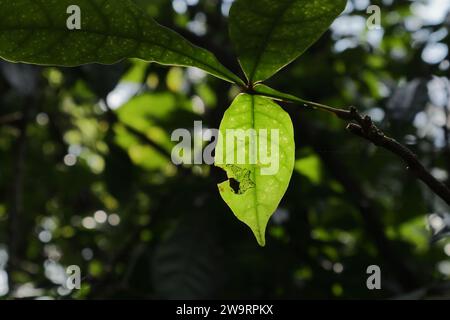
(365, 128)
(367, 207)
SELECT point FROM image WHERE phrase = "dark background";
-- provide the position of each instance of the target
(86, 177)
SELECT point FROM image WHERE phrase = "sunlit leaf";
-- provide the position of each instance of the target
(310, 167)
(257, 184)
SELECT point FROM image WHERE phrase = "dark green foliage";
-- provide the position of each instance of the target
(268, 34)
(349, 205)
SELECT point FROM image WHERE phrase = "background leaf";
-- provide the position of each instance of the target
(251, 195)
(270, 34)
(187, 264)
(36, 32)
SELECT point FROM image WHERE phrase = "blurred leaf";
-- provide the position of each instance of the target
(144, 110)
(165, 110)
(414, 231)
(310, 167)
(187, 265)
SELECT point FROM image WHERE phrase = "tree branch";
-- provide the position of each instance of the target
(367, 207)
(364, 128)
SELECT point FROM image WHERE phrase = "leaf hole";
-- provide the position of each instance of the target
(235, 186)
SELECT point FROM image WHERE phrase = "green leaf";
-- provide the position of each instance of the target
(256, 185)
(188, 263)
(35, 31)
(269, 34)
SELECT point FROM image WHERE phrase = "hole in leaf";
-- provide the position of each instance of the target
(235, 186)
(239, 179)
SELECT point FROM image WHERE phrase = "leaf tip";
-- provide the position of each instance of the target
(261, 240)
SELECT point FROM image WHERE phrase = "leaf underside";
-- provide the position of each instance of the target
(35, 31)
(266, 91)
(252, 196)
(270, 34)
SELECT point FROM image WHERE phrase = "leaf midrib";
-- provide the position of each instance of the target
(255, 193)
(265, 41)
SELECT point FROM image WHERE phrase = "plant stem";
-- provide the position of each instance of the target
(364, 128)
